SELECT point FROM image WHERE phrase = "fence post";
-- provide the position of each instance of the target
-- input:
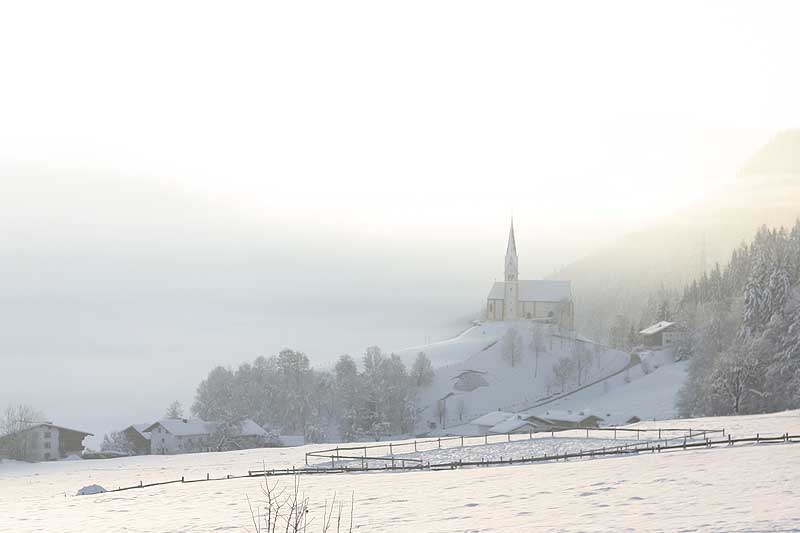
(306, 459)
(181, 479)
(440, 442)
(140, 483)
(332, 462)
(758, 438)
(208, 476)
(415, 446)
(615, 433)
(462, 441)
(509, 436)
(486, 438)
(690, 433)
(390, 449)
(659, 433)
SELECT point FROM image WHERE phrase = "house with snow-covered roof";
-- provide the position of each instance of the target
(180, 435)
(43, 441)
(542, 300)
(659, 335)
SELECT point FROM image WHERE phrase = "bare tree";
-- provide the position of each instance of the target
(537, 344)
(563, 371)
(289, 511)
(583, 361)
(17, 443)
(512, 346)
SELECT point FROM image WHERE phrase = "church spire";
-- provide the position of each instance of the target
(512, 244)
(512, 262)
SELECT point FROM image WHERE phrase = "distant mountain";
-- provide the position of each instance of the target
(619, 278)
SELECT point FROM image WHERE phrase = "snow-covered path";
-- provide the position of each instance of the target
(742, 488)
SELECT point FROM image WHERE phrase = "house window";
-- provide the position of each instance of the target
(47, 434)
(46, 445)
(47, 456)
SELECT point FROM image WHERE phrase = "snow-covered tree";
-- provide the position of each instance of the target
(116, 441)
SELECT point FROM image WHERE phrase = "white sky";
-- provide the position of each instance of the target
(415, 115)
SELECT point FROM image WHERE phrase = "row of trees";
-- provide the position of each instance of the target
(740, 327)
(284, 393)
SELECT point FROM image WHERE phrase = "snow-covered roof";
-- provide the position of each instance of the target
(183, 427)
(564, 416)
(141, 429)
(535, 290)
(468, 372)
(511, 425)
(493, 418)
(657, 328)
(250, 428)
(49, 425)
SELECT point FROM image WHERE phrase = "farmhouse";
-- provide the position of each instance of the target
(181, 435)
(659, 335)
(515, 299)
(43, 442)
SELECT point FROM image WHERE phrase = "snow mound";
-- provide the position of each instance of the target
(90, 489)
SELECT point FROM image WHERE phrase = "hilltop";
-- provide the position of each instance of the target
(477, 378)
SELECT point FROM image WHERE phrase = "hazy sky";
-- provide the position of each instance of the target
(193, 182)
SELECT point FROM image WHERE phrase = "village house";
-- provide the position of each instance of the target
(542, 300)
(181, 435)
(660, 335)
(138, 438)
(43, 442)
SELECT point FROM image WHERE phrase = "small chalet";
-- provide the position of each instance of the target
(659, 335)
(43, 442)
(139, 438)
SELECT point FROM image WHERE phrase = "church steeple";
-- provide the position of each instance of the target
(512, 262)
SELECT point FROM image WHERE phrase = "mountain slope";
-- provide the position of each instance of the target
(619, 278)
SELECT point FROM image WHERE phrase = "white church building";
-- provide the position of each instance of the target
(515, 299)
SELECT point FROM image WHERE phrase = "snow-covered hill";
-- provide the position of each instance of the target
(619, 388)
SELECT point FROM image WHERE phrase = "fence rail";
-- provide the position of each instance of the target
(393, 448)
(397, 466)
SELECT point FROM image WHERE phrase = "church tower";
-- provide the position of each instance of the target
(510, 297)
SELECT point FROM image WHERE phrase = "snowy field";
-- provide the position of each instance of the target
(743, 488)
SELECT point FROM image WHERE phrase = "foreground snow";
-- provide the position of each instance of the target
(743, 488)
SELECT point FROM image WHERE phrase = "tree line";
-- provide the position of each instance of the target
(739, 326)
(285, 394)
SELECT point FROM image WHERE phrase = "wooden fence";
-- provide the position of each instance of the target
(368, 452)
(397, 466)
